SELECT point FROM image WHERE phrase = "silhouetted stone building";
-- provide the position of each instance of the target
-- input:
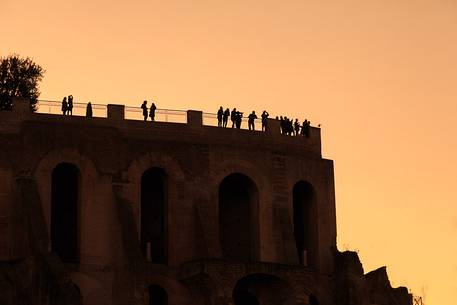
(113, 211)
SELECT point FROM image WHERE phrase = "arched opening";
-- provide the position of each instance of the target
(238, 201)
(313, 300)
(202, 289)
(305, 231)
(65, 212)
(157, 295)
(153, 234)
(263, 289)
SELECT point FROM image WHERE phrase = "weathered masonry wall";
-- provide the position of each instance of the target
(164, 213)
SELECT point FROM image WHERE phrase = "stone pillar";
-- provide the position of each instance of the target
(194, 118)
(21, 108)
(273, 127)
(116, 113)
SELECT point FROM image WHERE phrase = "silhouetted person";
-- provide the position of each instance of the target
(220, 114)
(233, 117)
(225, 117)
(306, 128)
(289, 129)
(152, 111)
(89, 110)
(238, 119)
(145, 110)
(297, 127)
(264, 117)
(64, 106)
(70, 105)
(251, 119)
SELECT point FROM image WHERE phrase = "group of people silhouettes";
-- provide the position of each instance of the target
(236, 117)
(288, 126)
(151, 113)
(293, 128)
(67, 105)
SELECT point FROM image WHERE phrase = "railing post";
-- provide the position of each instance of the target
(194, 118)
(116, 113)
(273, 127)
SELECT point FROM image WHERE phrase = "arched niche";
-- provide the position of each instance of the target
(238, 219)
(305, 223)
(153, 211)
(65, 212)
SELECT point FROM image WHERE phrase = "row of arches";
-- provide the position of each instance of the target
(252, 289)
(238, 204)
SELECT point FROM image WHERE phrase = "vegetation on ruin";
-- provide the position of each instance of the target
(19, 77)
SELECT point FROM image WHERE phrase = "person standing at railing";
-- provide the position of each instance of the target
(308, 128)
(238, 119)
(305, 128)
(251, 119)
(145, 110)
(233, 117)
(225, 117)
(89, 110)
(296, 127)
(220, 113)
(64, 106)
(264, 117)
(152, 111)
(70, 105)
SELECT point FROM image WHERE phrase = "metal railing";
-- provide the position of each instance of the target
(161, 115)
(136, 113)
(79, 109)
(101, 111)
(210, 119)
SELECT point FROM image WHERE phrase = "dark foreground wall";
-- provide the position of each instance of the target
(167, 213)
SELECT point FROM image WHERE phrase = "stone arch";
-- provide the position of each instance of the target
(87, 186)
(202, 288)
(263, 233)
(265, 289)
(222, 170)
(305, 222)
(176, 292)
(132, 190)
(238, 217)
(157, 295)
(91, 289)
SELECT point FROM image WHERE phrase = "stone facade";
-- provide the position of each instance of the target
(169, 213)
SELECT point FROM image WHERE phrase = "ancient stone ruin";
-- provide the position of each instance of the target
(107, 210)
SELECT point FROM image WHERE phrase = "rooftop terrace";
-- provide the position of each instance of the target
(168, 123)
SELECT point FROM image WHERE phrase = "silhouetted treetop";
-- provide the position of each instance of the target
(19, 77)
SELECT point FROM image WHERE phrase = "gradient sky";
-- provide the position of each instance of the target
(379, 75)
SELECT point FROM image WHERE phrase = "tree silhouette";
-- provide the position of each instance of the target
(19, 77)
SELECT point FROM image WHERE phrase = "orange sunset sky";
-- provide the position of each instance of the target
(379, 75)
